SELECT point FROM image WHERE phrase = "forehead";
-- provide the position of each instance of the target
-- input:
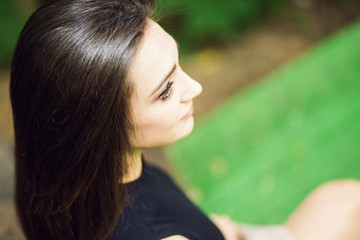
(155, 57)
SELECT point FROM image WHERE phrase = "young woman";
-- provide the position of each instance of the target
(92, 83)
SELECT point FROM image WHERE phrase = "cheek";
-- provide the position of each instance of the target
(158, 122)
(156, 126)
(158, 113)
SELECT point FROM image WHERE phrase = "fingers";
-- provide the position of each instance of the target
(228, 227)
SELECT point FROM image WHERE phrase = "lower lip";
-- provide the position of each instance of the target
(189, 114)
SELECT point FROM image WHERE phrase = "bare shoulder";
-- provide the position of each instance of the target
(175, 237)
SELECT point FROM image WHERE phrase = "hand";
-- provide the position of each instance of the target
(229, 228)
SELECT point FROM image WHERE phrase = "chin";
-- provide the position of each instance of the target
(182, 131)
(187, 128)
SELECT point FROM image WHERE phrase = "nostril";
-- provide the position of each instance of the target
(193, 91)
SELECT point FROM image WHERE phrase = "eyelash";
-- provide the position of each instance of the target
(166, 94)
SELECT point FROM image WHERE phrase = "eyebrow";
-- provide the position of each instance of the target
(165, 79)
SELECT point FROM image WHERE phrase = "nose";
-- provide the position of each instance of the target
(192, 88)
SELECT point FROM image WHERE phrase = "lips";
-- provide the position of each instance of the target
(189, 113)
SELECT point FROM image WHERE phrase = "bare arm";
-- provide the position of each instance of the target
(229, 229)
(331, 212)
(176, 237)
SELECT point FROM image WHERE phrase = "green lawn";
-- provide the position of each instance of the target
(259, 154)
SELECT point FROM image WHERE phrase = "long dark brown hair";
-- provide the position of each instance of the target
(70, 99)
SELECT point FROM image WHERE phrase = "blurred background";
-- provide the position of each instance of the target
(279, 113)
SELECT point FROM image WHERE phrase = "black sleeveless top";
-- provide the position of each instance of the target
(159, 209)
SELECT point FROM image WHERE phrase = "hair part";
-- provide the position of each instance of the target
(70, 99)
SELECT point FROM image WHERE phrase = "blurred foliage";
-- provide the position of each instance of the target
(207, 22)
(193, 23)
(13, 15)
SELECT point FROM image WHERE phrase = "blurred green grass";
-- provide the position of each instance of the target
(258, 155)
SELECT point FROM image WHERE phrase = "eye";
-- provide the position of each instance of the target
(166, 94)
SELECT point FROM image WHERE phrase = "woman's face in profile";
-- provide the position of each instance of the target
(162, 101)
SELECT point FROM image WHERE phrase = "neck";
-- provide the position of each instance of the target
(135, 167)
